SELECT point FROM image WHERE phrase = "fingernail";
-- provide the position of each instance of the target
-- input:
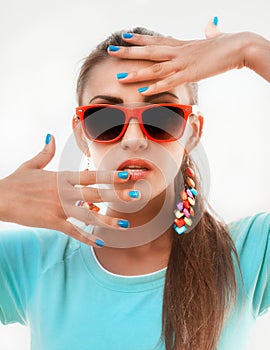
(215, 21)
(48, 139)
(127, 35)
(142, 89)
(134, 194)
(123, 223)
(99, 243)
(114, 48)
(121, 75)
(79, 203)
(123, 174)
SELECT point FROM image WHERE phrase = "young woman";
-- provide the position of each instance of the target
(169, 275)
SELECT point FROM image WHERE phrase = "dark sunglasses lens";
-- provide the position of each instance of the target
(164, 123)
(103, 123)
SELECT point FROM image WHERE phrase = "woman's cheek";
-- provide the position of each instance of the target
(99, 156)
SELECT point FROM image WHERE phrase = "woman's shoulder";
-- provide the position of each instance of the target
(257, 226)
(22, 235)
(251, 237)
(44, 245)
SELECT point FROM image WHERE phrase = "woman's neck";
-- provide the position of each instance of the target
(140, 260)
(148, 257)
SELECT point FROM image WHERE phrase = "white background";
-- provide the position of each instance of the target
(42, 44)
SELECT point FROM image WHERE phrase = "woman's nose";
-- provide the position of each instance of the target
(134, 138)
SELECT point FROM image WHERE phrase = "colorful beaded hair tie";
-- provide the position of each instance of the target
(185, 207)
(87, 205)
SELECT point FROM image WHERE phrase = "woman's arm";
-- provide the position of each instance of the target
(177, 62)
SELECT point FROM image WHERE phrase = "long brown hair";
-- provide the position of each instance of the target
(200, 284)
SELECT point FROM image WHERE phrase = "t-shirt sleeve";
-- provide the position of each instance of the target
(251, 237)
(19, 264)
(25, 254)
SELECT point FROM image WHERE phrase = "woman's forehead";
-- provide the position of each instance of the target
(102, 80)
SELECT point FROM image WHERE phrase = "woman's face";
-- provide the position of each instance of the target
(155, 163)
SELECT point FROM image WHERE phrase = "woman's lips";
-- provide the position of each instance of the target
(137, 174)
(137, 168)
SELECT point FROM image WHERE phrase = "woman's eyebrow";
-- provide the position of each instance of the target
(113, 99)
(108, 98)
(161, 94)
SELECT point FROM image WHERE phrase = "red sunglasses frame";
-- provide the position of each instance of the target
(134, 112)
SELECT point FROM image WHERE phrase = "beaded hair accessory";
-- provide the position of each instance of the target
(185, 210)
(88, 205)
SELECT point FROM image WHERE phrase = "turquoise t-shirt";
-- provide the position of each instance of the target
(55, 285)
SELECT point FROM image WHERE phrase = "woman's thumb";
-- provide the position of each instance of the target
(211, 29)
(43, 157)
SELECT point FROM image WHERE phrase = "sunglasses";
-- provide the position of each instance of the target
(163, 122)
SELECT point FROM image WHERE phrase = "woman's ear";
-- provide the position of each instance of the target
(196, 122)
(79, 136)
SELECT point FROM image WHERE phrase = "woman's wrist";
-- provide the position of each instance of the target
(256, 54)
(2, 200)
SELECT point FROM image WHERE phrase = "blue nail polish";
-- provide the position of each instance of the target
(121, 75)
(215, 21)
(134, 194)
(99, 243)
(142, 89)
(123, 223)
(123, 174)
(114, 48)
(127, 35)
(48, 139)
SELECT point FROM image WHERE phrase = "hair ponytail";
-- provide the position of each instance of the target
(200, 283)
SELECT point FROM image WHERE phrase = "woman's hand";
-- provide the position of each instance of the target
(36, 197)
(176, 62)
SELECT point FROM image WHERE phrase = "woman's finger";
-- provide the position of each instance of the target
(94, 218)
(43, 157)
(211, 29)
(99, 195)
(143, 40)
(149, 52)
(80, 235)
(166, 84)
(91, 177)
(155, 71)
